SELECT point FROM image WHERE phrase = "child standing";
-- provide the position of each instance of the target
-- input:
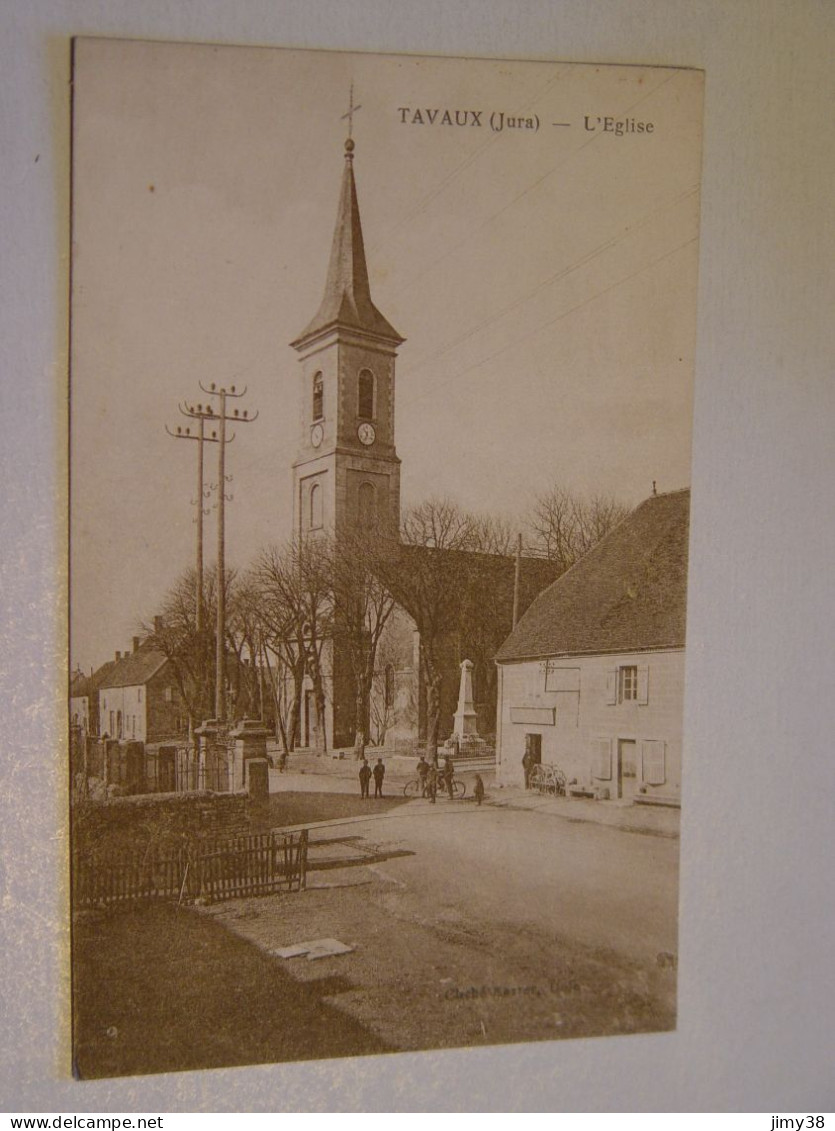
(478, 789)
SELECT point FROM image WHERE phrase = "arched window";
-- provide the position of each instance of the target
(367, 508)
(316, 509)
(389, 685)
(318, 397)
(365, 395)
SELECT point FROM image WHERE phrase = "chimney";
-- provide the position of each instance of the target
(136, 643)
(157, 624)
(118, 657)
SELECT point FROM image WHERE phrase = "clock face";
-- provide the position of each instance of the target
(366, 433)
(317, 434)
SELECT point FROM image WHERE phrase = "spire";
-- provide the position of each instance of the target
(347, 299)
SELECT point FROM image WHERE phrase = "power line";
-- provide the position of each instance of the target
(557, 275)
(552, 321)
(519, 196)
(452, 175)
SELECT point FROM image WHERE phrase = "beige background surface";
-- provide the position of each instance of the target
(756, 988)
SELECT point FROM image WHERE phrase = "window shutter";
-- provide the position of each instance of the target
(612, 687)
(602, 759)
(643, 685)
(653, 762)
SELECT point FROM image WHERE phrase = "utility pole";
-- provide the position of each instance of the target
(201, 414)
(238, 417)
(516, 579)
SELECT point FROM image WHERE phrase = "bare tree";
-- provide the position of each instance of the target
(294, 615)
(564, 526)
(389, 705)
(362, 606)
(428, 574)
(192, 654)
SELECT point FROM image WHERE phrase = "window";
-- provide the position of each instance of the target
(367, 508)
(627, 684)
(316, 508)
(365, 397)
(318, 397)
(139, 695)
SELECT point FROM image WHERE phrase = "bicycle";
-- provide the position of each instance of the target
(548, 779)
(415, 788)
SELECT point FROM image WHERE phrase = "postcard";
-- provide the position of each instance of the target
(381, 404)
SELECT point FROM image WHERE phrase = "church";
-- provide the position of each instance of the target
(346, 477)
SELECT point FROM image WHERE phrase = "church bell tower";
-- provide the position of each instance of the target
(346, 475)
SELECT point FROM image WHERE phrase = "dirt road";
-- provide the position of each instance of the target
(481, 925)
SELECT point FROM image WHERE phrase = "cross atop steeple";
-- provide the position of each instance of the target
(347, 299)
(352, 109)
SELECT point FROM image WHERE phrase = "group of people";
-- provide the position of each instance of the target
(366, 773)
(430, 775)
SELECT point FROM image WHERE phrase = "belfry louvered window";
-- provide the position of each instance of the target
(365, 395)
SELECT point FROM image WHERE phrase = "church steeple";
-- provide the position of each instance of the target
(346, 474)
(347, 299)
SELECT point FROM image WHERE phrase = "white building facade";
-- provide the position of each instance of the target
(612, 724)
(592, 678)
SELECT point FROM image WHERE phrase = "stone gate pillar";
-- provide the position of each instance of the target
(247, 743)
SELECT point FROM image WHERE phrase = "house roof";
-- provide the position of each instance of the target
(347, 298)
(81, 684)
(628, 594)
(134, 669)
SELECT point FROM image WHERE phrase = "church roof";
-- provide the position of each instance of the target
(347, 298)
(628, 594)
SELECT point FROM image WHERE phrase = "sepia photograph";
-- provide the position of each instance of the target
(381, 388)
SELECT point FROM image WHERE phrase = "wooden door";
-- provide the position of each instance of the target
(627, 767)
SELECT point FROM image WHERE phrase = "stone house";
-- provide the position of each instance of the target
(80, 694)
(139, 699)
(84, 698)
(592, 677)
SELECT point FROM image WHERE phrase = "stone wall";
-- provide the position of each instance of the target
(164, 822)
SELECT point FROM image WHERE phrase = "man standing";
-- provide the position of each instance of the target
(422, 771)
(379, 774)
(448, 772)
(527, 766)
(365, 778)
(432, 782)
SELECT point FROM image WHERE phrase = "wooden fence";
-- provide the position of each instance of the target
(214, 870)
